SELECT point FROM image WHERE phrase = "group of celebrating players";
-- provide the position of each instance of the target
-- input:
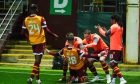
(76, 51)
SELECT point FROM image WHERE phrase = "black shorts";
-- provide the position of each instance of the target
(77, 73)
(38, 49)
(115, 55)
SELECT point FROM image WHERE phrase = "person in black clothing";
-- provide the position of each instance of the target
(16, 29)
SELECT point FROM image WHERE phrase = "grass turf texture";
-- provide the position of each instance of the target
(13, 75)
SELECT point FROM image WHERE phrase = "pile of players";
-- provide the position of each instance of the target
(76, 51)
(76, 54)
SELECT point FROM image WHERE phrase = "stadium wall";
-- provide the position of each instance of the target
(60, 24)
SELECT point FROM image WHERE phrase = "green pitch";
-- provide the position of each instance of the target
(13, 75)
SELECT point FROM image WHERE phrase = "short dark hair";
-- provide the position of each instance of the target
(33, 8)
(70, 36)
(117, 19)
(87, 31)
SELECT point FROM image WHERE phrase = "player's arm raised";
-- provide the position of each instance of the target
(104, 31)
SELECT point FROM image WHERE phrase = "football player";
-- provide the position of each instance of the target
(34, 28)
(100, 53)
(77, 43)
(76, 61)
(115, 32)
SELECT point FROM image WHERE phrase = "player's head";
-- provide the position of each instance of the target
(33, 9)
(87, 33)
(70, 36)
(116, 19)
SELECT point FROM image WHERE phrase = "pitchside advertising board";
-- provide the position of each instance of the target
(60, 7)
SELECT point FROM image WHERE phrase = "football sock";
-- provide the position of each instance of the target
(105, 67)
(64, 70)
(93, 69)
(114, 75)
(117, 71)
(34, 70)
(37, 72)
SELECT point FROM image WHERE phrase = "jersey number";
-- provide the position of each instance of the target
(33, 27)
(72, 60)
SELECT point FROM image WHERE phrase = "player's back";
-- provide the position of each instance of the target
(36, 32)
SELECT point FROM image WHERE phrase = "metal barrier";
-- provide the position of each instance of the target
(98, 5)
(7, 21)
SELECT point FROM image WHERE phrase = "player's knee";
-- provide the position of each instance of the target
(90, 65)
(37, 62)
(38, 58)
(90, 60)
(113, 63)
(102, 59)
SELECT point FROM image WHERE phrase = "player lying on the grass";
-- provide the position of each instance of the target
(74, 57)
(100, 52)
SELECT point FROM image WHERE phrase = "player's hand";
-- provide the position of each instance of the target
(104, 28)
(83, 46)
(47, 50)
(101, 54)
(98, 26)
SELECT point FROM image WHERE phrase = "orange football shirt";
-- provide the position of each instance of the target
(101, 45)
(116, 37)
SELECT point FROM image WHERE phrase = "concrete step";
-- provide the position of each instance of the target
(18, 51)
(22, 46)
(25, 55)
(20, 42)
(32, 60)
(26, 58)
(13, 42)
(17, 42)
(18, 46)
(26, 61)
